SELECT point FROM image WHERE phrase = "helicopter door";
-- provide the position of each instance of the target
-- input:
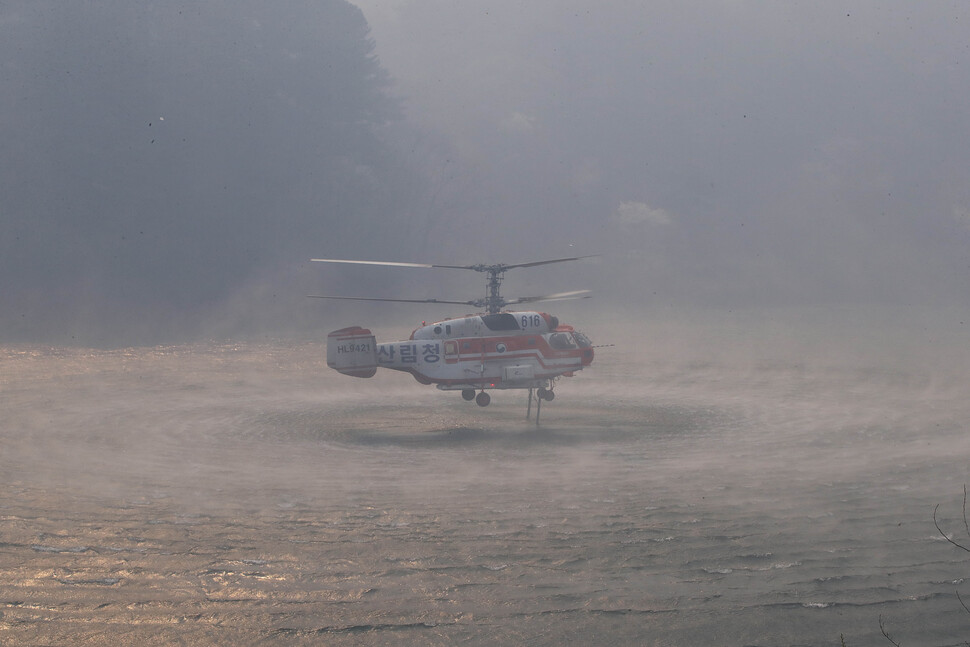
(451, 352)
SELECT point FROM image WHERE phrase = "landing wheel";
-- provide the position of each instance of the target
(482, 399)
(550, 396)
(544, 394)
(468, 394)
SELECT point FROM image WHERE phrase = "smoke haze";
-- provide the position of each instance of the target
(777, 198)
(171, 168)
(163, 157)
(727, 153)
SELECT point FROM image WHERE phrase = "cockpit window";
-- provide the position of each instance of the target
(582, 340)
(561, 341)
(500, 321)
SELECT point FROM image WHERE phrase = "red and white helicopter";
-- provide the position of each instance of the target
(474, 353)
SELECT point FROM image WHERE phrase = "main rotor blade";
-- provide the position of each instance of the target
(555, 260)
(461, 303)
(559, 296)
(500, 267)
(338, 260)
(397, 264)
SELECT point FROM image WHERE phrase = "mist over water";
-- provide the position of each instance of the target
(244, 493)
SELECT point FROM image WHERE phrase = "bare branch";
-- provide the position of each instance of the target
(937, 524)
(964, 604)
(882, 628)
(965, 524)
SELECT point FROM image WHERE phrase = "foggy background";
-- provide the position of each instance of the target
(776, 194)
(169, 168)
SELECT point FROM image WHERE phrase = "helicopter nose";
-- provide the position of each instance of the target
(587, 357)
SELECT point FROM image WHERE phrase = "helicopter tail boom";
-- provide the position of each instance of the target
(352, 351)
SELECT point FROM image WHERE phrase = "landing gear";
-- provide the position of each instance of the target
(545, 394)
(482, 399)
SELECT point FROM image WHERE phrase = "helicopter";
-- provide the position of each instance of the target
(496, 349)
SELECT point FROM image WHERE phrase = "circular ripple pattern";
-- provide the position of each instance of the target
(248, 495)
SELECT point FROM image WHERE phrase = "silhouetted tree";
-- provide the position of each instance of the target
(161, 153)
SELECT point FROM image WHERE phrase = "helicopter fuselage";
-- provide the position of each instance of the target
(506, 350)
